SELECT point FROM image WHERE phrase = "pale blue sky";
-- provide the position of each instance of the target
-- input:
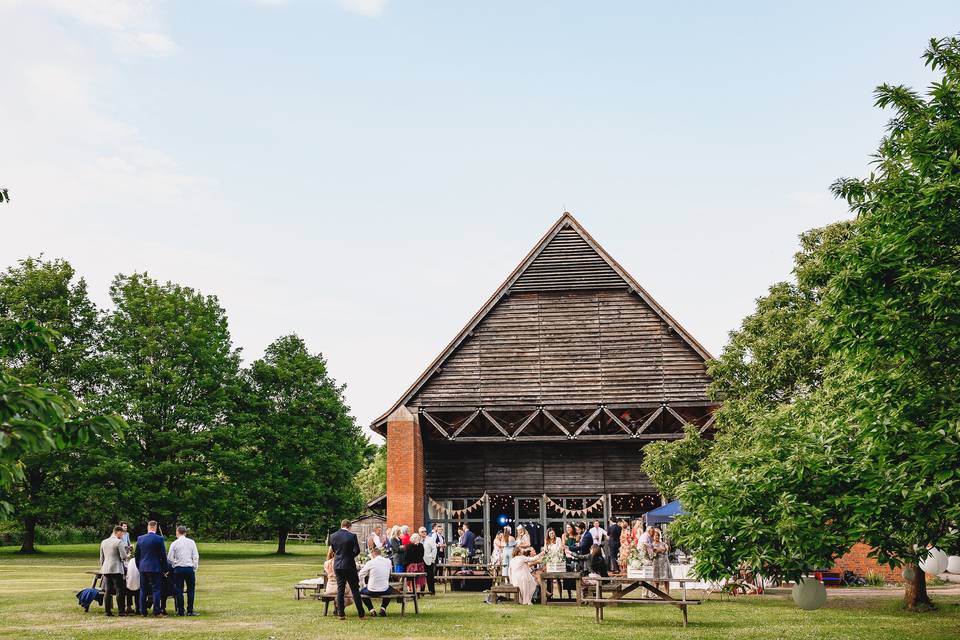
(366, 172)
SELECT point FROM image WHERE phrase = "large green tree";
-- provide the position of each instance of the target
(864, 445)
(295, 445)
(171, 371)
(48, 292)
(371, 480)
(35, 419)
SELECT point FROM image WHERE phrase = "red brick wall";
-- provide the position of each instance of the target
(405, 488)
(856, 560)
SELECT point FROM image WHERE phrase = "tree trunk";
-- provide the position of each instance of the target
(282, 542)
(915, 591)
(29, 535)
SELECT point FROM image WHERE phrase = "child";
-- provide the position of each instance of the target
(133, 585)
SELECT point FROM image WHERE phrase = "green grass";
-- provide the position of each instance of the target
(244, 591)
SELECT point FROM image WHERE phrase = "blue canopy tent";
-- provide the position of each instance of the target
(664, 514)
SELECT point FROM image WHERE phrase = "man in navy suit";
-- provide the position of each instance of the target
(151, 557)
(468, 540)
(586, 541)
(346, 547)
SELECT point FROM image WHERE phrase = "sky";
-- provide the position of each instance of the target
(365, 173)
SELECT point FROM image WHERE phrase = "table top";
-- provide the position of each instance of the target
(561, 574)
(626, 579)
(408, 574)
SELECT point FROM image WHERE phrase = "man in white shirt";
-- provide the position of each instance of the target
(437, 536)
(184, 560)
(429, 558)
(599, 535)
(376, 572)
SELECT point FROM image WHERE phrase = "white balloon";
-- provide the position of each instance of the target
(935, 563)
(809, 594)
(953, 564)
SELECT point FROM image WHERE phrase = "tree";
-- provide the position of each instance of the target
(33, 418)
(864, 445)
(891, 318)
(171, 371)
(45, 291)
(300, 445)
(371, 480)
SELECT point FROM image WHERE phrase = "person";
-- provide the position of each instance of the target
(126, 538)
(597, 564)
(645, 539)
(441, 543)
(374, 541)
(133, 587)
(661, 561)
(569, 537)
(496, 556)
(509, 544)
(429, 559)
(151, 555)
(523, 538)
(184, 561)
(396, 551)
(552, 544)
(468, 540)
(346, 548)
(598, 533)
(413, 554)
(404, 535)
(521, 575)
(627, 542)
(113, 556)
(614, 533)
(586, 539)
(330, 588)
(376, 573)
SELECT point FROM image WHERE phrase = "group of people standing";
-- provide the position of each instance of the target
(132, 574)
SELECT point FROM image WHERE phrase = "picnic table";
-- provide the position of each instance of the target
(546, 576)
(445, 573)
(97, 577)
(625, 585)
(399, 581)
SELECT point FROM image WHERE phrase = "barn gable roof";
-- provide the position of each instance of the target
(566, 258)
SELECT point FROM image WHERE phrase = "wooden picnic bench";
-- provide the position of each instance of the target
(97, 577)
(315, 585)
(445, 573)
(559, 576)
(399, 582)
(627, 585)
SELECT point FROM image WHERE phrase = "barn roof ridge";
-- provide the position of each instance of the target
(567, 220)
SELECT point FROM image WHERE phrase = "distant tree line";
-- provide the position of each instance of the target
(175, 429)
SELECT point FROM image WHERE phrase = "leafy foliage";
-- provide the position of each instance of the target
(295, 446)
(860, 438)
(371, 480)
(670, 463)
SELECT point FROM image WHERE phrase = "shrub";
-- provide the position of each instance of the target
(875, 579)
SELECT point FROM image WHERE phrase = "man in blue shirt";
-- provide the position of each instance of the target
(151, 556)
(468, 540)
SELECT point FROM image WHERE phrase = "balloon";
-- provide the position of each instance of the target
(935, 562)
(909, 574)
(953, 564)
(809, 594)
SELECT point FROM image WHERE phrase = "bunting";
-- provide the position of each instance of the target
(573, 512)
(457, 513)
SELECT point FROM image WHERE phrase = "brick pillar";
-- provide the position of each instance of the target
(405, 490)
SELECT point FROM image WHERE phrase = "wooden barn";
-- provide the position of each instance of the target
(538, 411)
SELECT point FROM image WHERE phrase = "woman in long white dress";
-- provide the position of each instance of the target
(509, 543)
(521, 575)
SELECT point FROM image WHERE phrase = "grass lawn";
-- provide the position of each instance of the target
(244, 591)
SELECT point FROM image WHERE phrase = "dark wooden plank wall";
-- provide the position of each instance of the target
(562, 348)
(580, 468)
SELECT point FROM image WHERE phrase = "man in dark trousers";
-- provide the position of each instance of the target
(468, 540)
(346, 547)
(613, 534)
(151, 557)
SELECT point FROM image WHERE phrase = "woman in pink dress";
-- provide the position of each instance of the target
(521, 575)
(330, 587)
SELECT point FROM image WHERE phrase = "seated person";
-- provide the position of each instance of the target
(330, 587)
(376, 573)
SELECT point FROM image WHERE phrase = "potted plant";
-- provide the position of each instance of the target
(638, 564)
(555, 561)
(458, 554)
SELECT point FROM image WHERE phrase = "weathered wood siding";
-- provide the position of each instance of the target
(569, 348)
(576, 468)
(568, 262)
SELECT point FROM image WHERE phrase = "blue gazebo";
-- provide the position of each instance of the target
(664, 514)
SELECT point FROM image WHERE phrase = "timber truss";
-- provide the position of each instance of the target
(663, 421)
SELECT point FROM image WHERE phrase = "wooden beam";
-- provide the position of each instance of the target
(434, 423)
(601, 437)
(586, 423)
(528, 420)
(648, 422)
(618, 421)
(556, 422)
(706, 425)
(676, 415)
(493, 421)
(464, 425)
